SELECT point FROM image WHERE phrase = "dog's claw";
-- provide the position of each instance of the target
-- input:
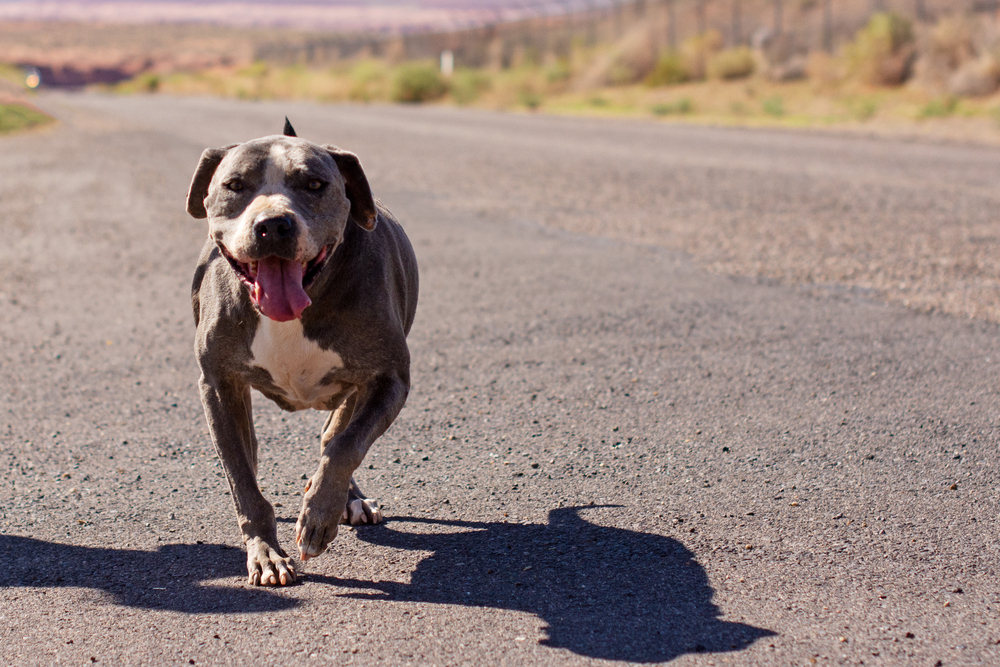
(362, 511)
(268, 566)
(312, 540)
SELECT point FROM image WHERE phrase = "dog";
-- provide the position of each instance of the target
(305, 290)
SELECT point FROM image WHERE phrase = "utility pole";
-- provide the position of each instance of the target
(777, 17)
(672, 18)
(737, 28)
(828, 26)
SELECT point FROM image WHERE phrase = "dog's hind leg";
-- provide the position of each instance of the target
(360, 509)
(338, 420)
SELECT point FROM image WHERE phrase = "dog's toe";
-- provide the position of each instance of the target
(312, 534)
(268, 566)
(362, 511)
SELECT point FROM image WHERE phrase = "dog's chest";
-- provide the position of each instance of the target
(296, 364)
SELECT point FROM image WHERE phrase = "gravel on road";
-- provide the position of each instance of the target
(610, 455)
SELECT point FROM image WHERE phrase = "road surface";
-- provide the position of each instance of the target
(615, 450)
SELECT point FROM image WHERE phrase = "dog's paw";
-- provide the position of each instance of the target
(267, 565)
(361, 511)
(318, 522)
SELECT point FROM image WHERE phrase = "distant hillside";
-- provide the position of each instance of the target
(337, 15)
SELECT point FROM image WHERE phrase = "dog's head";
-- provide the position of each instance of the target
(277, 208)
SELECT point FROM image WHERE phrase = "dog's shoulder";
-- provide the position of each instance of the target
(209, 253)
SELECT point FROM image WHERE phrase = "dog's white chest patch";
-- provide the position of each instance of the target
(297, 365)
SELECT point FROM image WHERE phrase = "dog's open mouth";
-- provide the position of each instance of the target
(278, 286)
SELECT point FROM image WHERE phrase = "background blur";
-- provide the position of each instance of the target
(875, 63)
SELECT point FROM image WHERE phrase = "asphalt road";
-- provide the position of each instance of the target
(610, 454)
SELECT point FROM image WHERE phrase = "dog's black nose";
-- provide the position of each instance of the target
(273, 228)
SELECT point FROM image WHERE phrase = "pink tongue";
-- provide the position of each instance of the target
(279, 292)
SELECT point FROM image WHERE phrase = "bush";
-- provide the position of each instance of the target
(149, 83)
(469, 84)
(368, 80)
(669, 70)
(773, 106)
(939, 108)
(257, 70)
(621, 73)
(418, 82)
(976, 78)
(882, 52)
(866, 109)
(558, 72)
(530, 98)
(634, 57)
(695, 52)
(951, 41)
(681, 106)
(735, 63)
(949, 46)
(15, 117)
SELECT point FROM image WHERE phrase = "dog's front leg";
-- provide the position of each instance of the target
(327, 491)
(230, 420)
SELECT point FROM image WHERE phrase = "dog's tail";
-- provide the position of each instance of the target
(289, 131)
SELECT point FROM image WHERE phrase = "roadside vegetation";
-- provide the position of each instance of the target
(16, 116)
(889, 73)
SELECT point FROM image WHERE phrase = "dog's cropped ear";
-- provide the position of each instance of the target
(209, 162)
(289, 131)
(363, 210)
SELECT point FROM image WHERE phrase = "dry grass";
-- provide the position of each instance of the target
(755, 101)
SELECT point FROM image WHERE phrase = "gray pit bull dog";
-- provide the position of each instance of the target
(305, 291)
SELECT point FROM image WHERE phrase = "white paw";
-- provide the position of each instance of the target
(362, 511)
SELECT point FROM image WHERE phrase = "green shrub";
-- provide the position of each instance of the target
(15, 117)
(939, 108)
(773, 106)
(679, 107)
(882, 52)
(468, 84)
(558, 72)
(257, 70)
(669, 70)
(734, 63)
(695, 52)
(621, 73)
(12, 74)
(866, 109)
(418, 82)
(368, 79)
(529, 98)
(149, 83)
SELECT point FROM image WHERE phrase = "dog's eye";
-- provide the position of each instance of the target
(234, 185)
(315, 184)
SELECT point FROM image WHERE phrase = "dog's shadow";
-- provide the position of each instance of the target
(169, 578)
(604, 592)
